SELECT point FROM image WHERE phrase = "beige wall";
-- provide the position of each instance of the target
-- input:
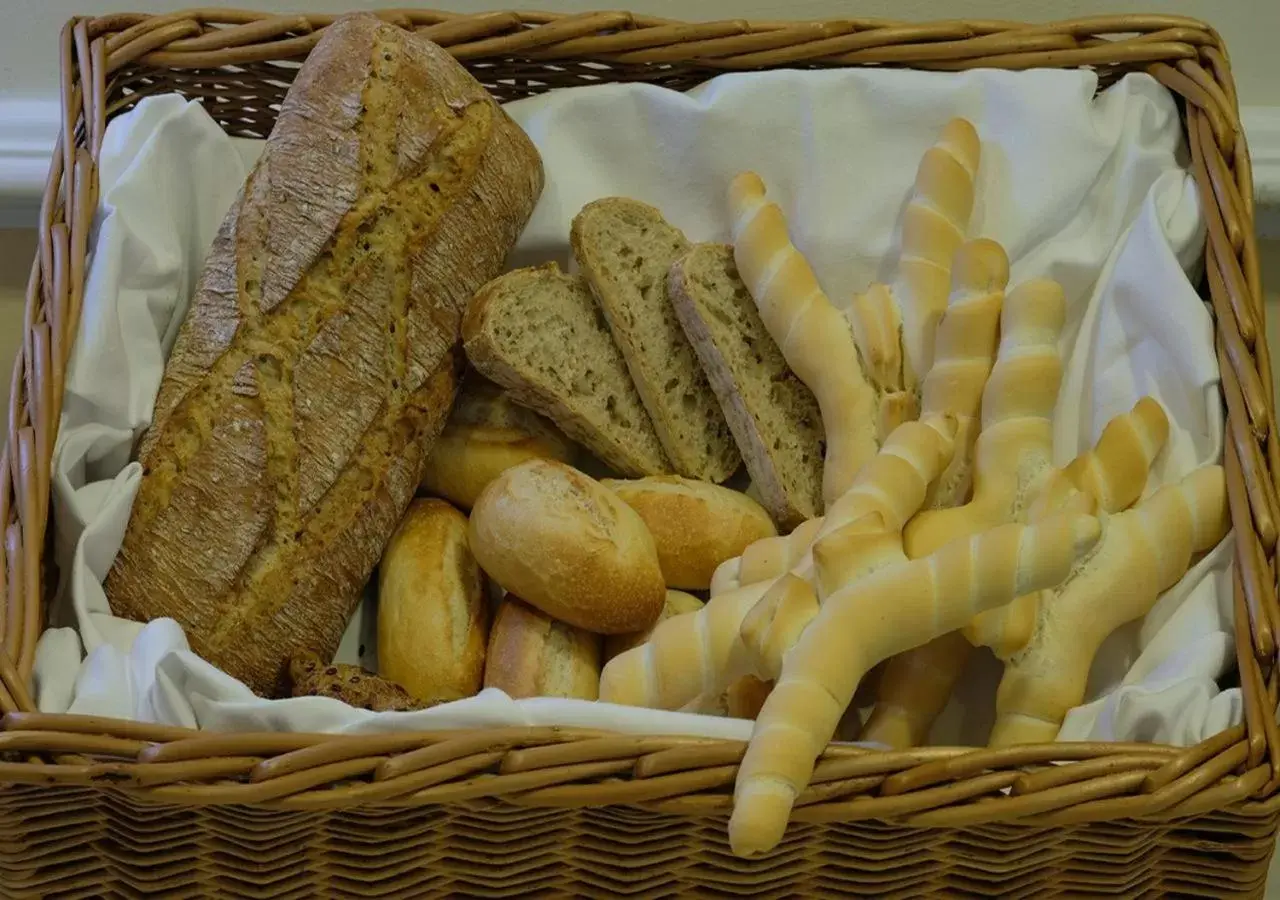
(28, 57)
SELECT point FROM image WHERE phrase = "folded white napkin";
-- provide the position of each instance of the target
(1089, 190)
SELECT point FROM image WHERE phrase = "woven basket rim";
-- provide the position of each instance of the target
(108, 62)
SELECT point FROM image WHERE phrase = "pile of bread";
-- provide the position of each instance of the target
(903, 505)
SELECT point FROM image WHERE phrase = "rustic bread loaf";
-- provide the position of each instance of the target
(317, 362)
(773, 416)
(433, 612)
(626, 249)
(560, 541)
(533, 655)
(487, 433)
(695, 525)
(538, 333)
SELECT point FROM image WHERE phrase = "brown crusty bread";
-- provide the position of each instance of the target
(533, 655)
(565, 544)
(695, 525)
(539, 334)
(487, 433)
(773, 416)
(625, 249)
(318, 360)
(433, 611)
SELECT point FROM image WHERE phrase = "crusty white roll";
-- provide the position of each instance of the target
(533, 655)
(487, 433)
(433, 616)
(569, 546)
(695, 525)
(677, 603)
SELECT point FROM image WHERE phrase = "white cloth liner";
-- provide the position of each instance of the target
(1089, 190)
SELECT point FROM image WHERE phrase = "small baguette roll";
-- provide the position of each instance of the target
(487, 433)
(677, 603)
(558, 539)
(533, 655)
(433, 615)
(695, 525)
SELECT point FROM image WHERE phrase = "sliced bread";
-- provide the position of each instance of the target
(774, 417)
(539, 334)
(625, 249)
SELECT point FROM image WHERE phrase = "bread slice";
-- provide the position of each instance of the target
(774, 417)
(625, 249)
(539, 334)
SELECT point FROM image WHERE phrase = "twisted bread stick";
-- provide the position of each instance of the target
(855, 551)
(851, 543)
(1015, 447)
(1012, 452)
(813, 336)
(933, 228)
(864, 385)
(700, 653)
(966, 345)
(852, 633)
(917, 684)
(1110, 477)
(1143, 553)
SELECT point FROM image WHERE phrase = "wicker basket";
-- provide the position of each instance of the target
(94, 807)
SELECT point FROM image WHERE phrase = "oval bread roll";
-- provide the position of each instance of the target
(677, 602)
(433, 615)
(695, 525)
(533, 655)
(556, 538)
(487, 433)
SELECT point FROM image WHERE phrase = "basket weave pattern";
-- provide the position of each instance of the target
(94, 807)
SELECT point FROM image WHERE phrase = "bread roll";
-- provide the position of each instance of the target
(433, 615)
(352, 685)
(677, 602)
(551, 535)
(317, 361)
(695, 525)
(533, 655)
(898, 607)
(487, 433)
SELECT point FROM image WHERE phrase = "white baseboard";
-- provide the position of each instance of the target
(29, 128)
(1262, 129)
(28, 131)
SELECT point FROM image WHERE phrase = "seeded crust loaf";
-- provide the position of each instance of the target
(320, 356)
